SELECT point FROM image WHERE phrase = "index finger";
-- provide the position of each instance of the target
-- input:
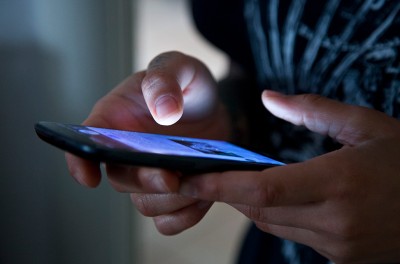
(172, 80)
(293, 184)
(86, 172)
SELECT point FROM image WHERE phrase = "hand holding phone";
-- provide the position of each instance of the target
(136, 105)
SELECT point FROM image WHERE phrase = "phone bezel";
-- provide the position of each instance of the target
(61, 136)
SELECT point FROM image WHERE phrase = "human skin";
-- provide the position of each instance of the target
(344, 204)
(189, 93)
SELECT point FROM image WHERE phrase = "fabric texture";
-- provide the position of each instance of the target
(348, 50)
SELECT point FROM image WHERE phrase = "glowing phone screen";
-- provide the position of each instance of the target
(178, 146)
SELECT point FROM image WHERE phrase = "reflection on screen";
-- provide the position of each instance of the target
(180, 146)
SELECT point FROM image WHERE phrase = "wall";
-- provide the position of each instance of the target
(56, 59)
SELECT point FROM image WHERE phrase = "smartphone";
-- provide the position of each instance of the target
(185, 154)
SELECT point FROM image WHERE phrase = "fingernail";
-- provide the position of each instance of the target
(167, 109)
(271, 93)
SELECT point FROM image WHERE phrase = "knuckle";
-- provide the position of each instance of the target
(153, 81)
(311, 98)
(161, 61)
(154, 180)
(151, 178)
(348, 191)
(268, 195)
(215, 190)
(157, 84)
(212, 188)
(308, 118)
(345, 228)
(255, 214)
(143, 204)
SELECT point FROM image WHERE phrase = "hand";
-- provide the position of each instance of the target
(344, 204)
(179, 93)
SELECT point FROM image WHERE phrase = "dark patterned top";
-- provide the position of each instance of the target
(347, 50)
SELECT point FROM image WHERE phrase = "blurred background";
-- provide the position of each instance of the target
(57, 58)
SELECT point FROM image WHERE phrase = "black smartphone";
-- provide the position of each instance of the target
(151, 150)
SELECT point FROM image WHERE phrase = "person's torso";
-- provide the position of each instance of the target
(343, 49)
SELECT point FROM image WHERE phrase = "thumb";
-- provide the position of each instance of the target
(348, 124)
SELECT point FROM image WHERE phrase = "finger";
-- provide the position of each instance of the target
(171, 75)
(129, 179)
(311, 216)
(83, 171)
(113, 110)
(298, 235)
(160, 204)
(122, 108)
(183, 219)
(338, 251)
(346, 123)
(278, 186)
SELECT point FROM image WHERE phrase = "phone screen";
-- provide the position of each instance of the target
(177, 146)
(154, 150)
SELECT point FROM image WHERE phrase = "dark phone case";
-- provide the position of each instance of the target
(61, 136)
